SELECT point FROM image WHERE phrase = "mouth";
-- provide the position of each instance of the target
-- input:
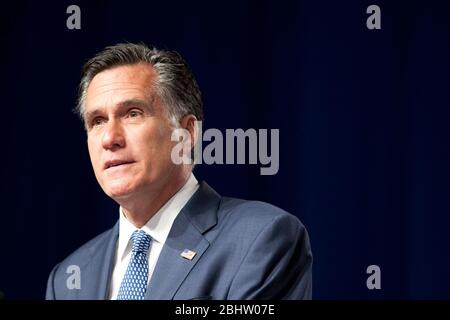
(117, 163)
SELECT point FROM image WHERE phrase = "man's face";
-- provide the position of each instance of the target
(128, 132)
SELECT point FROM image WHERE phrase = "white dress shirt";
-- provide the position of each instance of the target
(158, 227)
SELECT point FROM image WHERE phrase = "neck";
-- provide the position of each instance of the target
(141, 208)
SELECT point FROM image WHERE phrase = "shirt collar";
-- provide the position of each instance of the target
(158, 227)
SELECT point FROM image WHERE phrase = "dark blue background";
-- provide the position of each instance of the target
(363, 118)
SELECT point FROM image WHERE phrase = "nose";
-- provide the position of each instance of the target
(113, 136)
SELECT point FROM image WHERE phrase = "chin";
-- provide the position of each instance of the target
(116, 195)
(118, 190)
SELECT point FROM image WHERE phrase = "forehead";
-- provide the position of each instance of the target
(120, 83)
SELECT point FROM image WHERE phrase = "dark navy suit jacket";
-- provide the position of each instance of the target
(244, 250)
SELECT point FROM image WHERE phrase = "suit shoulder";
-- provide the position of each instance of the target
(257, 213)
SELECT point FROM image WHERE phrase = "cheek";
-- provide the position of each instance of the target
(157, 150)
(93, 153)
(158, 140)
(166, 146)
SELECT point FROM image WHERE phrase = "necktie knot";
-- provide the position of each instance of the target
(140, 241)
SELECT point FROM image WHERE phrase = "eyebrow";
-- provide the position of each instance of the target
(136, 103)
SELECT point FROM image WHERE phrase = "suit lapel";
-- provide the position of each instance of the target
(171, 268)
(197, 217)
(98, 271)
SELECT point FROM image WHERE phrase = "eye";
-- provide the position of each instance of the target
(97, 121)
(134, 113)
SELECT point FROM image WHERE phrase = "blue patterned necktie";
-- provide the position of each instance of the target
(134, 283)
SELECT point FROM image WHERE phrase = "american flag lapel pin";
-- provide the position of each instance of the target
(188, 254)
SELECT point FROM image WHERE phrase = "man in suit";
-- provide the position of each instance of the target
(175, 238)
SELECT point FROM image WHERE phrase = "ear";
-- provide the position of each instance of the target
(189, 122)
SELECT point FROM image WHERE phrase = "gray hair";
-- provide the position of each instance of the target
(175, 83)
